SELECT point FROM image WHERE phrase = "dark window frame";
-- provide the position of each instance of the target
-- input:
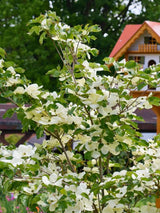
(149, 40)
(138, 59)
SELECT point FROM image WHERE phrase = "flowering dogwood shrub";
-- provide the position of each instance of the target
(94, 160)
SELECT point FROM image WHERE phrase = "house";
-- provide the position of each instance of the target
(141, 43)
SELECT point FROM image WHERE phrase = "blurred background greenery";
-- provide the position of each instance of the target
(26, 51)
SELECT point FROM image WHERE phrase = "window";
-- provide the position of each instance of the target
(150, 40)
(151, 62)
(138, 59)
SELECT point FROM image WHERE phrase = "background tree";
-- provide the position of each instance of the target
(112, 16)
(24, 49)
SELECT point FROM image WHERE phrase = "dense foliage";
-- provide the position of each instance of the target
(95, 160)
(111, 16)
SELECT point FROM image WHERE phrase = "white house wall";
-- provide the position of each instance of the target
(148, 57)
(140, 40)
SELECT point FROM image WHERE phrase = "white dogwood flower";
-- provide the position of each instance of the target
(53, 199)
(148, 209)
(1, 63)
(122, 192)
(14, 161)
(12, 81)
(11, 69)
(24, 151)
(33, 188)
(44, 24)
(135, 80)
(19, 90)
(63, 157)
(52, 180)
(33, 90)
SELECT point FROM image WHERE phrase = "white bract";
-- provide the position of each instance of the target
(19, 90)
(33, 90)
(24, 151)
(1, 63)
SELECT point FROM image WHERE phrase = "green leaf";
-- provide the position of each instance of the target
(70, 112)
(54, 15)
(147, 71)
(139, 158)
(94, 28)
(6, 186)
(3, 165)
(109, 184)
(9, 113)
(35, 199)
(109, 60)
(85, 195)
(88, 155)
(154, 100)
(117, 165)
(130, 64)
(36, 20)
(141, 85)
(93, 37)
(16, 185)
(24, 199)
(9, 64)
(42, 37)
(105, 68)
(2, 53)
(35, 29)
(63, 191)
(94, 51)
(40, 131)
(19, 70)
(144, 201)
(157, 171)
(54, 72)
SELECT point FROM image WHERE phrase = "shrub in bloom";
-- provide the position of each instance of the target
(95, 160)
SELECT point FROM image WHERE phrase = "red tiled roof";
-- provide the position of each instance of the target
(129, 32)
(155, 26)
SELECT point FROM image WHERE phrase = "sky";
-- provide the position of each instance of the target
(135, 7)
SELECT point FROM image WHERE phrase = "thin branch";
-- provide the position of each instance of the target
(100, 210)
(108, 158)
(100, 169)
(88, 114)
(4, 90)
(95, 208)
(54, 43)
(124, 11)
(129, 105)
(71, 69)
(73, 65)
(41, 209)
(58, 51)
(63, 148)
(101, 176)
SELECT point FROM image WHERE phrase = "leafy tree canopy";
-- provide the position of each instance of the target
(112, 16)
